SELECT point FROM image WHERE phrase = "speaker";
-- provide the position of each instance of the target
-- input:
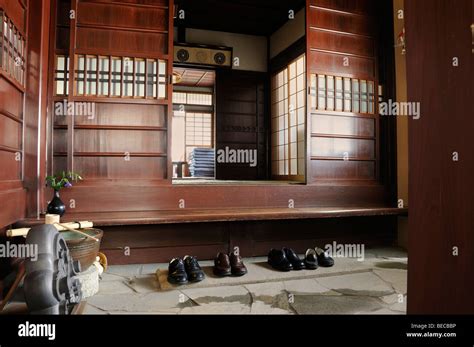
(203, 55)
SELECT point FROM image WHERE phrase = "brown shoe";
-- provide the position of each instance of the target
(237, 266)
(222, 265)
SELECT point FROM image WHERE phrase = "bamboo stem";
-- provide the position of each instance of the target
(24, 231)
(77, 231)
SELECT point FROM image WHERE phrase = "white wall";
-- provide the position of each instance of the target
(289, 33)
(251, 50)
(178, 146)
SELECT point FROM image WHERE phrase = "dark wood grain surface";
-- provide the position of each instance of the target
(441, 190)
(241, 111)
(218, 215)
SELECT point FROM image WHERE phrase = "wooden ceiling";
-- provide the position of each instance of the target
(195, 77)
(252, 17)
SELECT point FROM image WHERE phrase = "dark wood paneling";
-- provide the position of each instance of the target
(364, 7)
(123, 141)
(124, 114)
(134, 197)
(11, 99)
(233, 107)
(10, 132)
(342, 40)
(233, 137)
(13, 206)
(120, 42)
(158, 3)
(168, 235)
(59, 164)
(303, 234)
(63, 21)
(340, 21)
(236, 121)
(63, 9)
(62, 38)
(104, 167)
(345, 170)
(332, 63)
(162, 255)
(135, 18)
(343, 43)
(11, 167)
(240, 121)
(440, 190)
(60, 140)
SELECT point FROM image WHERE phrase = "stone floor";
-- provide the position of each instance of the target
(376, 285)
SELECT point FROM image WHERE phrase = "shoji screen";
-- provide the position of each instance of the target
(342, 76)
(288, 121)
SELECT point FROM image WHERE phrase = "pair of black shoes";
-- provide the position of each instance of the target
(318, 257)
(286, 259)
(182, 271)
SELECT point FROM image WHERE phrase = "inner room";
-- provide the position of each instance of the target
(239, 93)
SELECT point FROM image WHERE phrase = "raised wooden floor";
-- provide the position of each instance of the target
(220, 215)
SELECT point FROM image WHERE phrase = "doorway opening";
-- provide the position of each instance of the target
(193, 133)
(251, 129)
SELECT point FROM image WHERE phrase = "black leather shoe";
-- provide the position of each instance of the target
(277, 260)
(176, 272)
(311, 259)
(324, 259)
(293, 258)
(195, 274)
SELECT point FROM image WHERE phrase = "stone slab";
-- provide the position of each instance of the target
(397, 278)
(334, 304)
(361, 284)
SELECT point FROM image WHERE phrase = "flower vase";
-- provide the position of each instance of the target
(56, 206)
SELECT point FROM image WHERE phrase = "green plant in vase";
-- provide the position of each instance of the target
(59, 181)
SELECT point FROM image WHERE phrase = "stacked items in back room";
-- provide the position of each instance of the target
(201, 162)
